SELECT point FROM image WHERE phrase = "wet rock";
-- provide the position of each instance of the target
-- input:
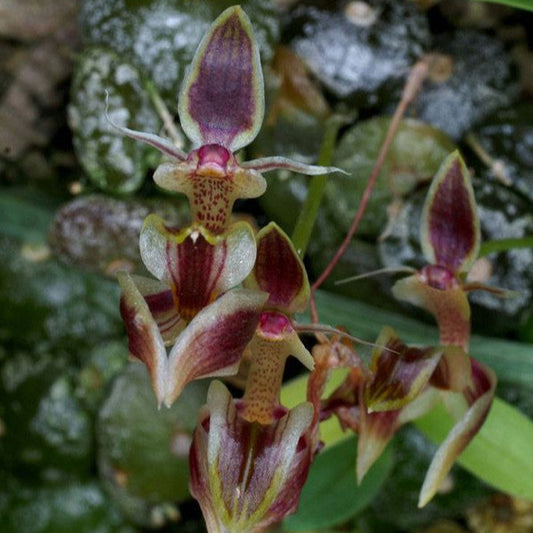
(360, 51)
(80, 506)
(48, 305)
(481, 80)
(101, 234)
(112, 162)
(507, 137)
(47, 434)
(160, 37)
(296, 111)
(143, 451)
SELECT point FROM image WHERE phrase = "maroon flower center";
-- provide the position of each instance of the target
(438, 277)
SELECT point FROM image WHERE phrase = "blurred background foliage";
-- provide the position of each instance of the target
(82, 445)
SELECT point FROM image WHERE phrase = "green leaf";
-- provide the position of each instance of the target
(522, 4)
(500, 454)
(512, 361)
(331, 494)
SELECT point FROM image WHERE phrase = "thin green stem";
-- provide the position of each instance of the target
(503, 245)
(306, 220)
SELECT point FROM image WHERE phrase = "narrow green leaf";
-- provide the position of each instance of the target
(500, 454)
(522, 4)
(331, 494)
(512, 361)
(306, 219)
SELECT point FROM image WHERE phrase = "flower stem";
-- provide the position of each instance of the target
(416, 77)
(306, 220)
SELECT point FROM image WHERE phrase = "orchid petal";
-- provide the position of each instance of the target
(246, 476)
(279, 271)
(195, 263)
(265, 164)
(162, 307)
(213, 342)
(450, 233)
(475, 402)
(145, 341)
(450, 307)
(222, 98)
(376, 430)
(165, 146)
(277, 327)
(399, 372)
(500, 292)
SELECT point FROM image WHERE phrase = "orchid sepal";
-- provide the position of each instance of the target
(222, 97)
(473, 405)
(450, 231)
(267, 164)
(145, 340)
(279, 271)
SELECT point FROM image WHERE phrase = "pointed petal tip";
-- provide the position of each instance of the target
(266, 164)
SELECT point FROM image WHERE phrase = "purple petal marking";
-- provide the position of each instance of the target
(213, 342)
(450, 227)
(279, 271)
(165, 146)
(222, 99)
(477, 399)
(265, 164)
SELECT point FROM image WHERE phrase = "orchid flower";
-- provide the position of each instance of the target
(450, 237)
(190, 305)
(221, 108)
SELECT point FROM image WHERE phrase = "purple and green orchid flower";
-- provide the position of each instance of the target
(221, 109)
(450, 238)
(194, 304)
(404, 382)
